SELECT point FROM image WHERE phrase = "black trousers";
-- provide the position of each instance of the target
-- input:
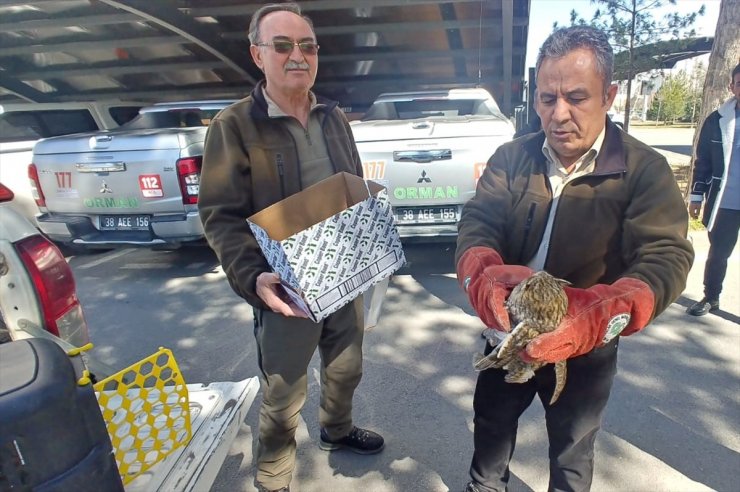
(722, 239)
(572, 422)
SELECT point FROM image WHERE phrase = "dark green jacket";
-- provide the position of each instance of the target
(627, 218)
(250, 162)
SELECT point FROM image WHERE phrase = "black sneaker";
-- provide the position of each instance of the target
(472, 487)
(358, 441)
(261, 488)
(703, 307)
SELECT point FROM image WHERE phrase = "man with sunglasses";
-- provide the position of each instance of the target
(270, 145)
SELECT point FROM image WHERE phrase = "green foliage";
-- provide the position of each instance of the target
(696, 95)
(679, 97)
(696, 225)
(672, 97)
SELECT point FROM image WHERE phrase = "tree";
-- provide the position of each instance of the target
(693, 103)
(724, 57)
(630, 25)
(672, 96)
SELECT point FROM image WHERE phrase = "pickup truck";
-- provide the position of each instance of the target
(135, 185)
(429, 148)
(23, 124)
(38, 299)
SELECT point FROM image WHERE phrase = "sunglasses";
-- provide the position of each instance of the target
(285, 47)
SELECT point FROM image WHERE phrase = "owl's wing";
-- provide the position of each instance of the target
(482, 362)
(516, 340)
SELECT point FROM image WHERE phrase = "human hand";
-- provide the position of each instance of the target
(269, 289)
(488, 283)
(595, 316)
(694, 209)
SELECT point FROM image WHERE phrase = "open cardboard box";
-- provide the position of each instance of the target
(330, 242)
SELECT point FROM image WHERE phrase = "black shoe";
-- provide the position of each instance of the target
(261, 488)
(703, 307)
(472, 487)
(358, 441)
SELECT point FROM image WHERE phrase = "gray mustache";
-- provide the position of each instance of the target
(291, 65)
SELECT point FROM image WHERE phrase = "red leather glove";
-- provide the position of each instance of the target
(488, 282)
(595, 316)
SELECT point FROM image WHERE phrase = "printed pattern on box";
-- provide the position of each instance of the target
(333, 262)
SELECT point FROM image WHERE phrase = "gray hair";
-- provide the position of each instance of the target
(564, 40)
(254, 24)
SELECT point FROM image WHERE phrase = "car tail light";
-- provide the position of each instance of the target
(55, 286)
(33, 177)
(6, 194)
(188, 173)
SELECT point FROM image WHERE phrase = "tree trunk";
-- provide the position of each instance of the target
(724, 57)
(630, 69)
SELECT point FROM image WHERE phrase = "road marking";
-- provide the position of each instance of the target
(104, 259)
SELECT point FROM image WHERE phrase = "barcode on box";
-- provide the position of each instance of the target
(359, 279)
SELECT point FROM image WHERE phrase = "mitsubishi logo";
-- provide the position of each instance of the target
(104, 188)
(423, 178)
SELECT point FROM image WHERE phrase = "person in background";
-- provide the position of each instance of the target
(587, 203)
(716, 179)
(277, 141)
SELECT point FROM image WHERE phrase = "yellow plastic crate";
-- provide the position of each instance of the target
(146, 410)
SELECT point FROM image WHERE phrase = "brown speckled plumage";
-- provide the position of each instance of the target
(536, 306)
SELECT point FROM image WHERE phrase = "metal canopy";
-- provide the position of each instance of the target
(168, 50)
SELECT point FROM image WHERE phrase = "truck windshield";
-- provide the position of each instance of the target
(409, 109)
(179, 118)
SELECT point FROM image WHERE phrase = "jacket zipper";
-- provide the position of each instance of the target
(281, 173)
(527, 228)
(328, 149)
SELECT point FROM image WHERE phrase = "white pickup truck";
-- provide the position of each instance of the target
(38, 300)
(429, 148)
(23, 124)
(135, 185)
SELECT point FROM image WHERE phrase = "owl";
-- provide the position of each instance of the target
(537, 305)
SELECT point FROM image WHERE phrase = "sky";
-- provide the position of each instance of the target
(545, 12)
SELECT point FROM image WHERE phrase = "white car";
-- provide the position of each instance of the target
(22, 125)
(38, 300)
(38, 297)
(429, 149)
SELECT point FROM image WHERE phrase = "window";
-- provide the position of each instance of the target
(430, 108)
(33, 125)
(173, 118)
(123, 114)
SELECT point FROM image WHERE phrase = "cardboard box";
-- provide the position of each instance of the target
(373, 299)
(331, 242)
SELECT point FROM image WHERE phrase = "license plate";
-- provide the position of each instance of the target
(124, 222)
(425, 215)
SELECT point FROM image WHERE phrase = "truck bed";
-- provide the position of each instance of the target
(217, 410)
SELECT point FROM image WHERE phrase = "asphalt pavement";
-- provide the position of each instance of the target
(672, 424)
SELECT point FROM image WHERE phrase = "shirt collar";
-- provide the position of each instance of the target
(583, 162)
(274, 111)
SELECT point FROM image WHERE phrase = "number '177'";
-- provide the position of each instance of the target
(64, 179)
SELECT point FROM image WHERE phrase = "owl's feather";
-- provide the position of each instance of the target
(537, 305)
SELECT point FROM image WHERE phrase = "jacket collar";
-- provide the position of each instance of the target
(610, 160)
(259, 108)
(727, 108)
